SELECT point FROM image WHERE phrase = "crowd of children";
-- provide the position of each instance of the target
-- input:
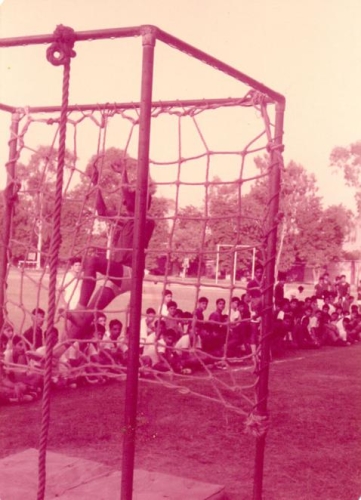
(23, 357)
(330, 317)
(176, 341)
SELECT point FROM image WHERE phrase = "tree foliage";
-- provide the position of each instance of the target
(235, 221)
(348, 159)
(159, 244)
(35, 207)
(189, 239)
(80, 226)
(307, 233)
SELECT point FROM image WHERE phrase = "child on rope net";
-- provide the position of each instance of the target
(69, 285)
(117, 268)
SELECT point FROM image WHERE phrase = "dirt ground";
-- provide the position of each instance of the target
(312, 447)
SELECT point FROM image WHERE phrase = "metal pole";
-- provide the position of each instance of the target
(8, 211)
(253, 262)
(271, 247)
(40, 241)
(217, 263)
(80, 36)
(234, 266)
(120, 106)
(158, 34)
(217, 64)
(138, 262)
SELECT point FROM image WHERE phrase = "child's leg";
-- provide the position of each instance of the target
(80, 320)
(161, 366)
(92, 266)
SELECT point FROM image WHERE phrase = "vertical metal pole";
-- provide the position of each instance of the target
(217, 264)
(8, 211)
(271, 248)
(39, 245)
(234, 266)
(253, 262)
(138, 262)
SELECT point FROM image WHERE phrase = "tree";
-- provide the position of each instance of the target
(81, 228)
(322, 237)
(188, 236)
(348, 159)
(32, 219)
(306, 232)
(158, 247)
(298, 197)
(235, 221)
(109, 180)
(22, 238)
(77, 226)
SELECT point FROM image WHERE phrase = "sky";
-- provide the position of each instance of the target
(309, 51)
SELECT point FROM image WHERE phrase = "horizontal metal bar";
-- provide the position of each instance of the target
(160, 35)
(9, 109)
(79, 36)
(217, 64)
(231, 101)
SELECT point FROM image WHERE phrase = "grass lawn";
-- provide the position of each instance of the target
(313, 444)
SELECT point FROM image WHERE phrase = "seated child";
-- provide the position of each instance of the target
(189, 352)
(113, 348)
(303, 335)
(159, 351)
(354, 327)
(13, 392)
(168, 359)
(147, 326)
(173, 319)
(17, 366)
(331, 333)
(7, 334)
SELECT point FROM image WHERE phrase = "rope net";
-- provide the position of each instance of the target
(206, 178)
(91, 201)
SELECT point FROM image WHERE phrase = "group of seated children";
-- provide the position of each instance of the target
(23, 356)
(171, 340)
(328, 318)
(181, 342)
(20, 379)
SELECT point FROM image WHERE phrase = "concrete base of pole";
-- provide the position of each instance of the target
(71, 478)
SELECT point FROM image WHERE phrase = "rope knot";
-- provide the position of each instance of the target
(272, 146)
(254, 98)
(60, 51)
(256, 425)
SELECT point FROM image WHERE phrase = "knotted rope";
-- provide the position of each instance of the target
(59, 53)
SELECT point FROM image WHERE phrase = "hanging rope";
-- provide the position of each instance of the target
(59, 53)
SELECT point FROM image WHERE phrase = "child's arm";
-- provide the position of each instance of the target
(100, 205)
(163, 353)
